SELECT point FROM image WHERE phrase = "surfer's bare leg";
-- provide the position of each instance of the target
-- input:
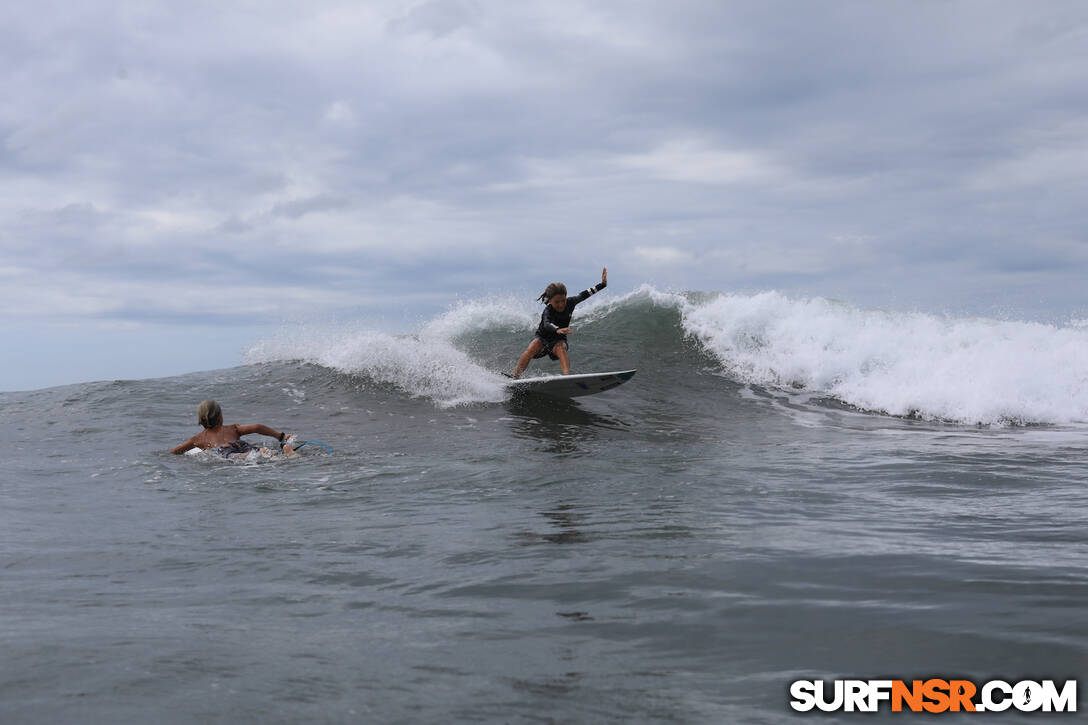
(526, 357)
(560, 351)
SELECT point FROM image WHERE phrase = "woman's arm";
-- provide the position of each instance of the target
(244, 430)
(587, 293)
(186, 446)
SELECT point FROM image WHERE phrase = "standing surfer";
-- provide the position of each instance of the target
(226, 440)
(551, 334)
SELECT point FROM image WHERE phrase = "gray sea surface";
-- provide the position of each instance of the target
(677, 550)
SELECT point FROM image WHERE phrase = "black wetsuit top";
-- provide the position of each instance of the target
(552, 321)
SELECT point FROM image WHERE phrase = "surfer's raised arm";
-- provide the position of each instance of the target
(551, 333)
(586, 293)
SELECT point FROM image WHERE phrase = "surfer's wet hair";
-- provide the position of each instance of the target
(555, 288)
(209, 414)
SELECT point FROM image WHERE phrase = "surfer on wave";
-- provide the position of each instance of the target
(226, 440)
(551, 334)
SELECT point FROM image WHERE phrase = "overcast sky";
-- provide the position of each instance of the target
(177, 179)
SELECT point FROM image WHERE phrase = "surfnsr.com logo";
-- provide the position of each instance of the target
(933, 695)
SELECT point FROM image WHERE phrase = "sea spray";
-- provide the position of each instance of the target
(421, 366)
(482, 314)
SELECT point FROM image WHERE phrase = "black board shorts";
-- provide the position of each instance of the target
(235, 448)
(548, 345)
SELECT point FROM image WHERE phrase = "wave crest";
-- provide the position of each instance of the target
(967, 370)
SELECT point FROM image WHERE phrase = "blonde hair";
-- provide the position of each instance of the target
(209, 414)
(555, 288)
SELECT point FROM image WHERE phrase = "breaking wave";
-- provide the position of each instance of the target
(960, 369)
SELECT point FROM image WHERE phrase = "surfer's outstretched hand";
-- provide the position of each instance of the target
(604, 275)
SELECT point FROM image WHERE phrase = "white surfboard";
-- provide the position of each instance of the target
(571, 386)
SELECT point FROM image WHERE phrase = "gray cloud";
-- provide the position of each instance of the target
(403, 146)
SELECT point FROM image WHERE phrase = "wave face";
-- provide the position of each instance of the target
(940, 368)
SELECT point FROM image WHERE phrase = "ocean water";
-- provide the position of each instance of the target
(788, 489)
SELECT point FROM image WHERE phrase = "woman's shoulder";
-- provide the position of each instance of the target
(200, 440)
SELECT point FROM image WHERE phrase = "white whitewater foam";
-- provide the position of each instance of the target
(969, 370)
(425, 365)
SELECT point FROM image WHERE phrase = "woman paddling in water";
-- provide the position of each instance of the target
(226, 440)
(551, 334)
